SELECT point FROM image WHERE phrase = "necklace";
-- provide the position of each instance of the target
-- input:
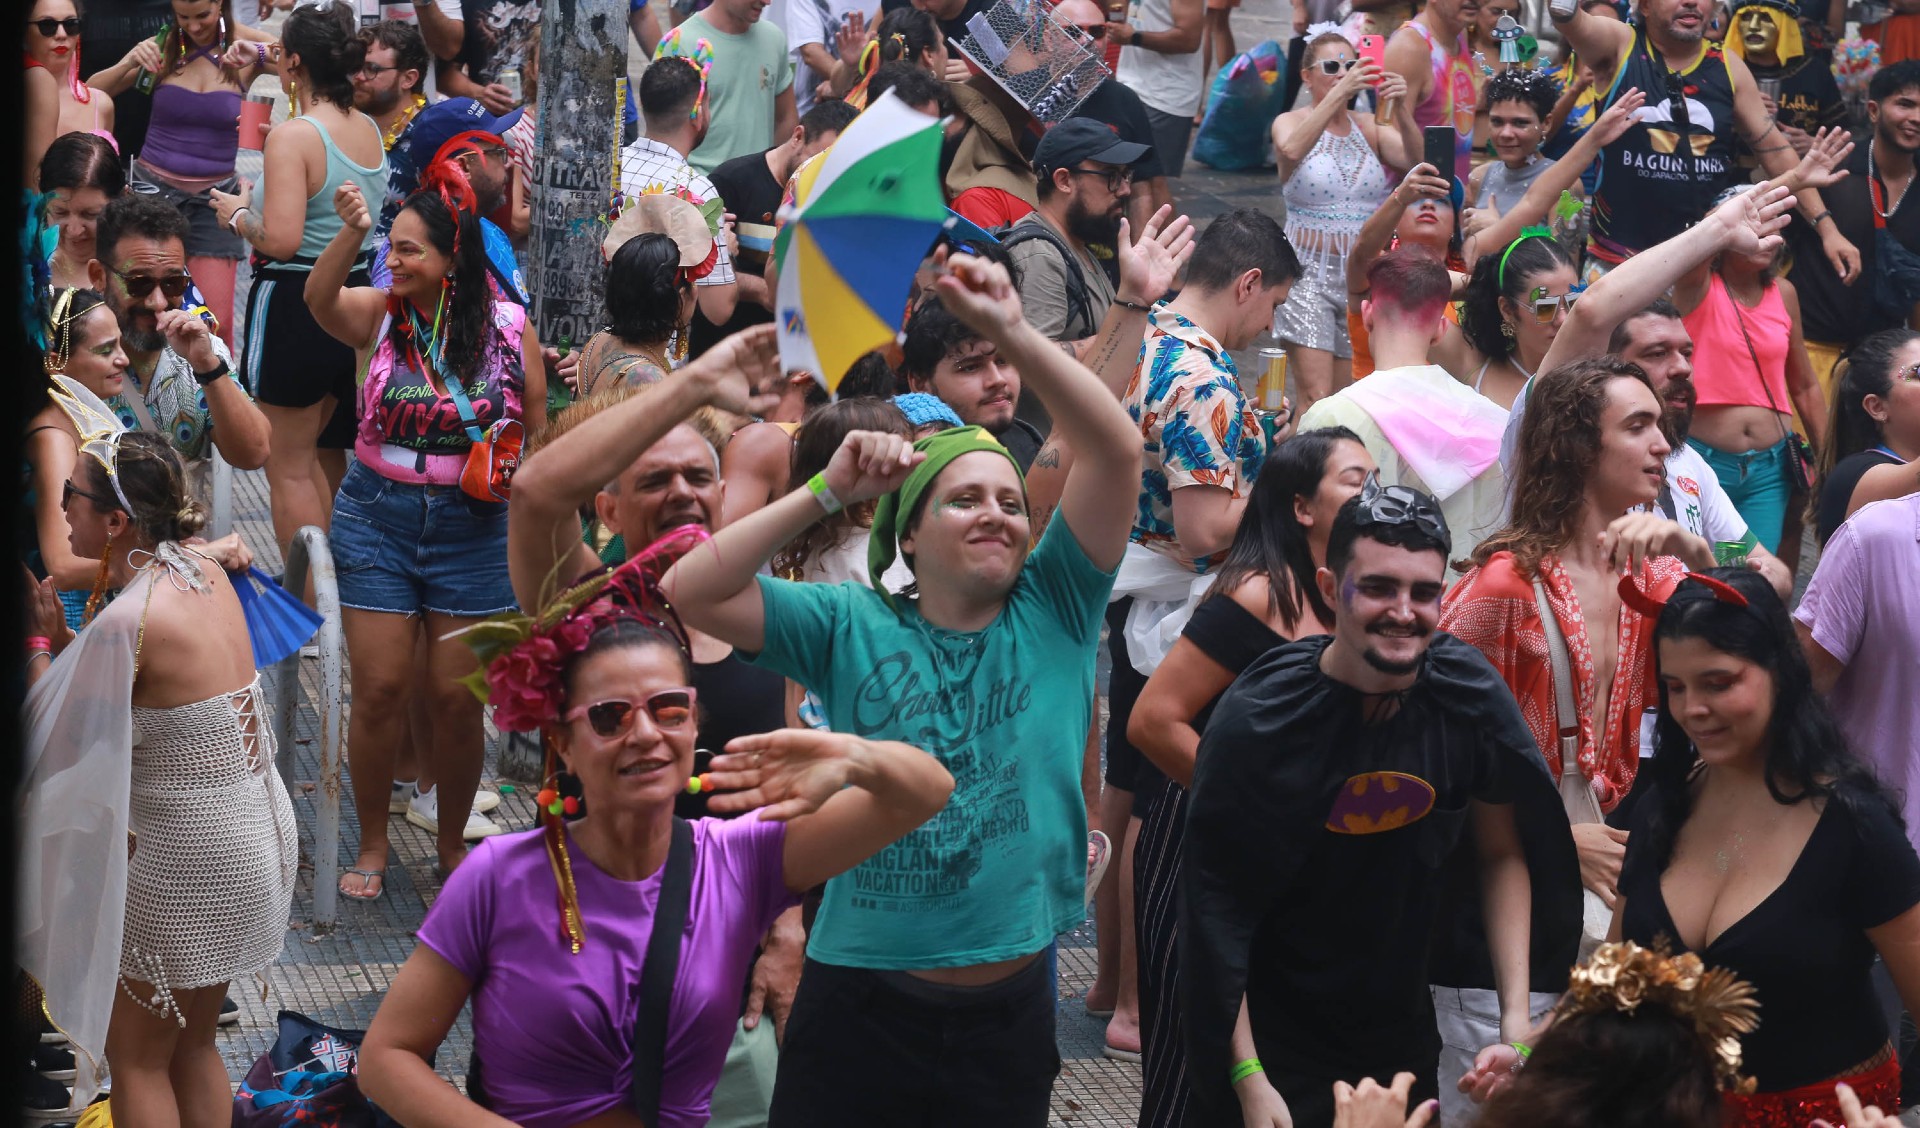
(1878, 191)
(401, 123)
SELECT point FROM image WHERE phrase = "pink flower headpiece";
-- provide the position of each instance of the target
(522, 657)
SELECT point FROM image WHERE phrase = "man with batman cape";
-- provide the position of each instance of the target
(1327, 879)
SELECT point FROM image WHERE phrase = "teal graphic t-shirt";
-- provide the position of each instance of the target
(1002, 869)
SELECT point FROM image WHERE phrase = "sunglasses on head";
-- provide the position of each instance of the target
(1546, 305)
(52, 27)
(1337, 66)
(1401, 505)
(668, 709)
(140, 285)
(68, 491)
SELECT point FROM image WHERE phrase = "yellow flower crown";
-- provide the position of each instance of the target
(1622, 976)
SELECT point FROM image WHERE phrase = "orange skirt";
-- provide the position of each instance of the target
(1794, 1108)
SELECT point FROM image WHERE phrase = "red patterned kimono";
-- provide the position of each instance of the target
(1493, 609)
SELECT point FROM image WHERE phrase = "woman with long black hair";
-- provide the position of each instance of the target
(1763, 845)
(1265, 596)
(1875, 433)
(453, 371)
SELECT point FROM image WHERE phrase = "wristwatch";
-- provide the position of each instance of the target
(219, 369)
(1134, 41)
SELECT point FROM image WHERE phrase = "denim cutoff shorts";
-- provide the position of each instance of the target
(407, 549)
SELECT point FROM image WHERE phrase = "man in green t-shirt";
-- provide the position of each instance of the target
(750, 85)
(926, 983)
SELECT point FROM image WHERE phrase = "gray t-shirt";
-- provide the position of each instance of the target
(1048, 284)
(1504, 187)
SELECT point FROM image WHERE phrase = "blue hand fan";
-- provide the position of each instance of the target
(278, 623)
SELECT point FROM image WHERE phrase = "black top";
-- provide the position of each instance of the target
(1804, 948)
(1837, 491)
(1230, 635)
(1115, 105)
(1830, 311)
(1652, 186)
(753, 196)
(1809, 96)
(736, 699)
(1023, 441)
(954, 29)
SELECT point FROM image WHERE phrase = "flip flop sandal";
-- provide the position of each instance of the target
(367, 878)
(1118, 1054)
(1099, 853)
(1093, 1012)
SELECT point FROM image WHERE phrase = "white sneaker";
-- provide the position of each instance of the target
(423, 811)
(403, 793)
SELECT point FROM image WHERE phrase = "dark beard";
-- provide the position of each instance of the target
(142, 340)
(1394, 669)
(1090, 228)
(376, 105)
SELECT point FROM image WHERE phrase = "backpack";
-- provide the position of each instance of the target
(1079, 297)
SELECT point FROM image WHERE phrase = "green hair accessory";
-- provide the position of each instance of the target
(1536, 232)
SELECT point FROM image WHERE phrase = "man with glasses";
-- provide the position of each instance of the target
(1325, 886)
(389, 88)
(180, 380)
(1423, 428)
(1084, 178)
(459, 130)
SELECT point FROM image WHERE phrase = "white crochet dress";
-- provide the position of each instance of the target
(210, 884)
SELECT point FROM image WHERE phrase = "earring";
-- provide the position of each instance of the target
(1506, 330)
(98, 596)
(293, 95)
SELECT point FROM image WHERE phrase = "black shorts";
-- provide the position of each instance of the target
(290, 361)
(880, 1049)
(1124, 762)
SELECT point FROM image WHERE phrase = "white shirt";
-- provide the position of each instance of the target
(1171, 84)
(647, 163)
(813, 21)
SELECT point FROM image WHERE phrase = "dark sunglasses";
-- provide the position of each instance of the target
(669, 709)
(51, 27)
(1337, 66)
(140, 285)
(68, 491)
(1401, 505)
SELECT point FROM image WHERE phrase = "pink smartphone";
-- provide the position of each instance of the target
(1373, 49)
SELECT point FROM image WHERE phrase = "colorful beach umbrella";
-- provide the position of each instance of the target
(868, 211)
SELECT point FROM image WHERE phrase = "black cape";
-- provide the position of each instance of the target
(1274, 757)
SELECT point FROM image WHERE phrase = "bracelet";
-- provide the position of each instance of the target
(1243, 1070)
(260, 52)
(1134, 306)
(1815, 221)
(1525, 1051)
(823, 493)
(233, 221)
(37, 644)
(219, 369)
(32, 654)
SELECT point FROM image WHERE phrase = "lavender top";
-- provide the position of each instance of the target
(554, 1030)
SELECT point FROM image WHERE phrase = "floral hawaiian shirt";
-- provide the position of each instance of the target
(1199, 428)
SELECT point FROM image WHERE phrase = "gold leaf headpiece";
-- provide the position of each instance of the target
(1622, 976)
(60, 330)
(98, 427)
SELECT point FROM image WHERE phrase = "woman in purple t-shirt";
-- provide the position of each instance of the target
(555, 988)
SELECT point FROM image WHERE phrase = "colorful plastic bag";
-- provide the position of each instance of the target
(1247, 95)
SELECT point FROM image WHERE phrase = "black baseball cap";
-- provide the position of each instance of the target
(1084, 139)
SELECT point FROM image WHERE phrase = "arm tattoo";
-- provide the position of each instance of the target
(253, 226)
(1048, 458)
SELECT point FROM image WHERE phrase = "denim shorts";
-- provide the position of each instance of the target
(409, 549)
(205, 237)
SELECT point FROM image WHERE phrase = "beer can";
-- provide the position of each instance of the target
(1273, 379)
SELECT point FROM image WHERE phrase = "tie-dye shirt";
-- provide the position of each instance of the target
(1199, 428)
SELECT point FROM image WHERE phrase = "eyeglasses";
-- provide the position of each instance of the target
(68, 491)
(52, 27)
(1116, 178)
(1337, 66)
(140, 285)
(669, 709)
(375, 70)
(1401, 505)
(1546, 305)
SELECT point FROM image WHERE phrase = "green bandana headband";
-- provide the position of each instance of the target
(883, 542)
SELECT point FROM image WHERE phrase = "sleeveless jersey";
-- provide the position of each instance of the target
(1664, 172)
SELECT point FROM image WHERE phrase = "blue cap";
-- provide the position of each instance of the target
(431, 130)
(922, 408)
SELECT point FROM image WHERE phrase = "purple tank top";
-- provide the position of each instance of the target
(193, 133)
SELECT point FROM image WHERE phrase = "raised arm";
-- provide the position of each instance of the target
(1596, 39)
(1085, 411)
(349, 314)
(1295, 133)
(554, 482)
(1375, 234)
(240, 431)
(1751, 221)
(1757, 127)
(1563, 174)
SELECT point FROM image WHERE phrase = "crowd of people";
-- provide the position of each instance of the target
(1496, 711)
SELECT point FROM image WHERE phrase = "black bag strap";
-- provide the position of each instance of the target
(1079, 294)
(1683, 118)
(659, 971)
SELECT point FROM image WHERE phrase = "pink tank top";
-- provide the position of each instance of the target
(1450, 98)
(410, 432)
(1723, 367)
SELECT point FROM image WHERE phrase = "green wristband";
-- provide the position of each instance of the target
(1243, 1070)
(1525, 1051)
(822, 493)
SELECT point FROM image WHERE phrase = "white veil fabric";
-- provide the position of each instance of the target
(73, 850)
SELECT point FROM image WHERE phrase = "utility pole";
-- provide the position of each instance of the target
(583, 79)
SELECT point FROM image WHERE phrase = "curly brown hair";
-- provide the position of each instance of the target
(1647, 1069)
(1559, 446)
(813, 445)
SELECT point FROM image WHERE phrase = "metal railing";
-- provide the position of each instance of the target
(310, 548)
(220, 522)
